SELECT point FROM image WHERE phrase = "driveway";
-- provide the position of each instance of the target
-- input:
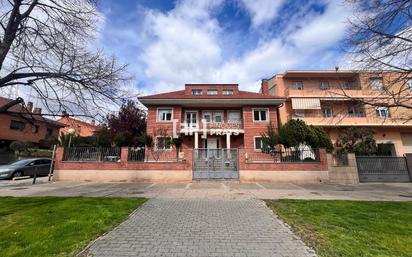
(215, 189)
(200, 227)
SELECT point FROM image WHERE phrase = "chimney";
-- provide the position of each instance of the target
(65, 114)
(37, 111)
(264, 88)
(93, 122)
(29, 106)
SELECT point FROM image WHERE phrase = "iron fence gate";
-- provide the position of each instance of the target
(215, 163)
(382, 169)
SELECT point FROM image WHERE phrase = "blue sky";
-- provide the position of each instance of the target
(170, 43)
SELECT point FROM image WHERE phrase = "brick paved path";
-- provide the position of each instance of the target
(201, 227)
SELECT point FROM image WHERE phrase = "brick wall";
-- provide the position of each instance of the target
(252, 128)
(28, 134)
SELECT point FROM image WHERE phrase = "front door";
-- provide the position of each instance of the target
(215, 163)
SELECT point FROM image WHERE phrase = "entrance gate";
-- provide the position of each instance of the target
(217, 163)
(382, 169)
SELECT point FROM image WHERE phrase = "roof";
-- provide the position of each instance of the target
(21, 111)
(76, 121)
(181, 95)
(237, 99)
(319, 73)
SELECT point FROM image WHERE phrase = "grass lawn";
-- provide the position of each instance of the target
(350, 228)
(57, 226)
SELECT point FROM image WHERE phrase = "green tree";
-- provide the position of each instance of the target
(270, 138)
(356, 140)
(318, 138)
(293, 133)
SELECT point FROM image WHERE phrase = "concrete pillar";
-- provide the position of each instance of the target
(196, 140)
(228, 140)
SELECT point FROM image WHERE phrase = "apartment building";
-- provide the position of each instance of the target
(337, 99)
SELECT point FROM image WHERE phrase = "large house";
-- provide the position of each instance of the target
(26, 124)
(77, 127)
(336, 99)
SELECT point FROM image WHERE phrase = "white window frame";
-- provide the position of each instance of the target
(218, 112)
(228, 116)
(379, 110)
(163, 149)
(197, 90)
(197, 118)
(161, 109)
(374, 86)
(321, 85)
(357, 111)
(208, 113)
(227, 92)
(215, 92)
(260, 118)
(295, 85)
(254, 144)
(323, 111)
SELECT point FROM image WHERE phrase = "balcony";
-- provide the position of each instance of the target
(212, 127)
(333, 93)
(350, 120)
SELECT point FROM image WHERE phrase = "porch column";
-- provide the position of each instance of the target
(228, 140)
(196, 140)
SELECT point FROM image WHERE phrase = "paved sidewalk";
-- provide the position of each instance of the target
(200, 227)
(211, 189)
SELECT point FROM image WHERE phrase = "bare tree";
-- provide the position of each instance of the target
(45, 47)
(379, 44)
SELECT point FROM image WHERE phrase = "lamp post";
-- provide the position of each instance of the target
(71, 131)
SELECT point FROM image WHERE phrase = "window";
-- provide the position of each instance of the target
(297, 85)
(259, 144)
(207, 116)
(260, 115)
(409, 84)
(197, 92)
(165, 114)
(218, 117)
(163, 143)
(300, 113)
(355, 111)
(36, 129)
(376, 83)
(382, 112)
(49, 132)
(227, 91)
(349, 85)
(324, 85)
(233, 116)
(212, 92)
(17, 125)
(191, 119)
(327, 111)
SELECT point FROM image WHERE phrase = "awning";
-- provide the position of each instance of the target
(305, 103)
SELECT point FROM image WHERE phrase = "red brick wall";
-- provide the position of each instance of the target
(27, 134)
(304, 166)
(252, 128)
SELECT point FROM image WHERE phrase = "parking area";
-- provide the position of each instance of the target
(210, 189)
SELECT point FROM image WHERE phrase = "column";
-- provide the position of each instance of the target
(228, 140)
(196, 140)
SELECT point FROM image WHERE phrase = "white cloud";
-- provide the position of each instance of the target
(262, 11)
(185, 45)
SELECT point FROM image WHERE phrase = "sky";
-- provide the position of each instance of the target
(170, 43)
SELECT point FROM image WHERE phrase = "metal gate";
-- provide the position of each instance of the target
(215, 163)
(382, 169)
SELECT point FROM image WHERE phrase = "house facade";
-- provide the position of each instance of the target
(27, 124)
(77, 127)
(336, 100)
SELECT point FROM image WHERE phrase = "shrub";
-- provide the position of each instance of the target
(20, 147)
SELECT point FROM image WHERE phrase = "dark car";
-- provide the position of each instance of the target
(27, 167)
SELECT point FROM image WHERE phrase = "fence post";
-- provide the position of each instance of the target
(408, 160)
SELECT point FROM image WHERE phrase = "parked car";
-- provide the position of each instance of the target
(27, 167)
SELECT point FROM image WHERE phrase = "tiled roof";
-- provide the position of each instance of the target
(18, 108)
(181, 95)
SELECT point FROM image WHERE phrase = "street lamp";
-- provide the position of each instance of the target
(71, 131)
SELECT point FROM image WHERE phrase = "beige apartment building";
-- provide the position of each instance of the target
(339, 99)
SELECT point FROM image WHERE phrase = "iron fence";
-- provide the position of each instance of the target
(281, 156)
(92, 154)
(136, 154)
(341, 159)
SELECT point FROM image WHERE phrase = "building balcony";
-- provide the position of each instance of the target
(338, 94)
(213, 127)
(351, 120)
